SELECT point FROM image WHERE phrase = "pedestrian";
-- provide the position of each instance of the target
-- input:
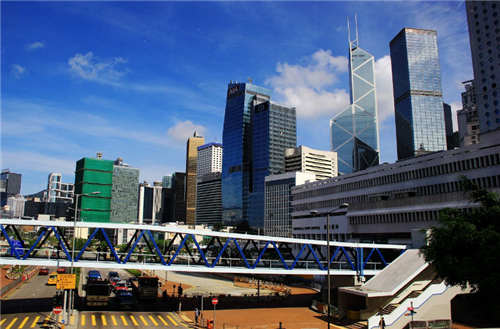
(382, 323)
(196, 315)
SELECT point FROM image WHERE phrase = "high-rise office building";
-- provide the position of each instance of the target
(468, 122)
(209, 159)
(305, 159)
(10, 185)
(274, 130)
(354, 131)
(484, 34)
(124, 193)
(94, 175)
(418, 96)
(166, 181)
(57, 190)
(191, 164)
(448, 124)
(178, 195)
(150, 203)
(237, 153)
(209, 184)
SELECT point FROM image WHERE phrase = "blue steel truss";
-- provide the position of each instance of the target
(224, 252)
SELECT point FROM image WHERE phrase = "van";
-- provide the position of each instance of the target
(94, 275)
(52, 278)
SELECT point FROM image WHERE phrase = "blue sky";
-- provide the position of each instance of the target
(136, 79)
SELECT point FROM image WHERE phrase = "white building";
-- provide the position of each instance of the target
(57, 191)
(305, 159)
(209, 159)
(388, 201)
(278, 202)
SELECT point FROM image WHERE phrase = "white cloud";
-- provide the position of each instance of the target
(307, 87)
(385, 98)
(183, 130)
(35, 45)
(90, 67)
(18, 70)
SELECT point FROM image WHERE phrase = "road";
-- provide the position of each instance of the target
(30, 306)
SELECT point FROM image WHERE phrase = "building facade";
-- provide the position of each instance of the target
(237, 153)
(389, 202)
(209, 159)
(305, 159)
(278, 202)
(10, 185)
(468, 122)
(94, 175)
(191, 164)
(209, 199)
(274, 130)
(484, 32)
(354, 131)
(57, 191)
(124, 193)
(418, 96)
(150, 203)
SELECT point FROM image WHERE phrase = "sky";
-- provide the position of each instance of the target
(137, 79)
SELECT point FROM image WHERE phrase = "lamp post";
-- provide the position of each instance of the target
(74, 238)
(315, 212)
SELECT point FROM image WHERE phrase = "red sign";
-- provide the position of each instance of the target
(57, 309)
(215, 301)
(410, 308)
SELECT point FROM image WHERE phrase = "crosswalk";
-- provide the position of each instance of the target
(86, 320)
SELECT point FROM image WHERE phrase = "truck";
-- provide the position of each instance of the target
(146, 287)
(97, 293)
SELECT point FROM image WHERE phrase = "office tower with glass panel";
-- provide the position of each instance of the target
(418, 96)
(484, 32)
(354, 131)
(237, 153)
(274, 130)
(191, 165)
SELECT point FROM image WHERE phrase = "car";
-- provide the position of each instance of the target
(125, 300)
(120, 286)
(113, 274)
(93, 275)
(113, 280)
(43, 270)
(52, 278)
(61, 270)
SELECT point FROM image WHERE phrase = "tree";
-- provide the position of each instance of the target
(465, 248)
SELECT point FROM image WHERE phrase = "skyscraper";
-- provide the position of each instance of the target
(10, 185)
(94, 175)
(237, 153)
(209, 159)
(305, 159)
(191, 164)
(124, 193)
(209, 184)
(354, 131)
(484, 34)
(468, 123)
(418, 97)
(274, 130)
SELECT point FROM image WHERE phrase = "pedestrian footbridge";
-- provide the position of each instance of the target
(187, 250)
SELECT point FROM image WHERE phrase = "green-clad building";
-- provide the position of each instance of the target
(94, 175)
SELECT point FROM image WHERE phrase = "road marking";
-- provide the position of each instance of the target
(144, 321)
(93, 320)
(104, 323)
(153, 319)
(1, 322)
(161, 319)
(33, 325)
(124, 321)
(114, 320)
(170, 318)
(83, 319)
(24, 322)
(133, 320)
(12, 323)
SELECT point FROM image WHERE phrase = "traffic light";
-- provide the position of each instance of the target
(57, 300)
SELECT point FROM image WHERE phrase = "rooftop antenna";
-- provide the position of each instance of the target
(356, 20)
(250, 80)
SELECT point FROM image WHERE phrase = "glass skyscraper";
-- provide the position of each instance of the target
(274, 130)
(238, 153)
(354, 131)
(418, 97)
(484, 33)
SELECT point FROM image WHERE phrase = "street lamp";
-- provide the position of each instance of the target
(315, 212)
(74, 238)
